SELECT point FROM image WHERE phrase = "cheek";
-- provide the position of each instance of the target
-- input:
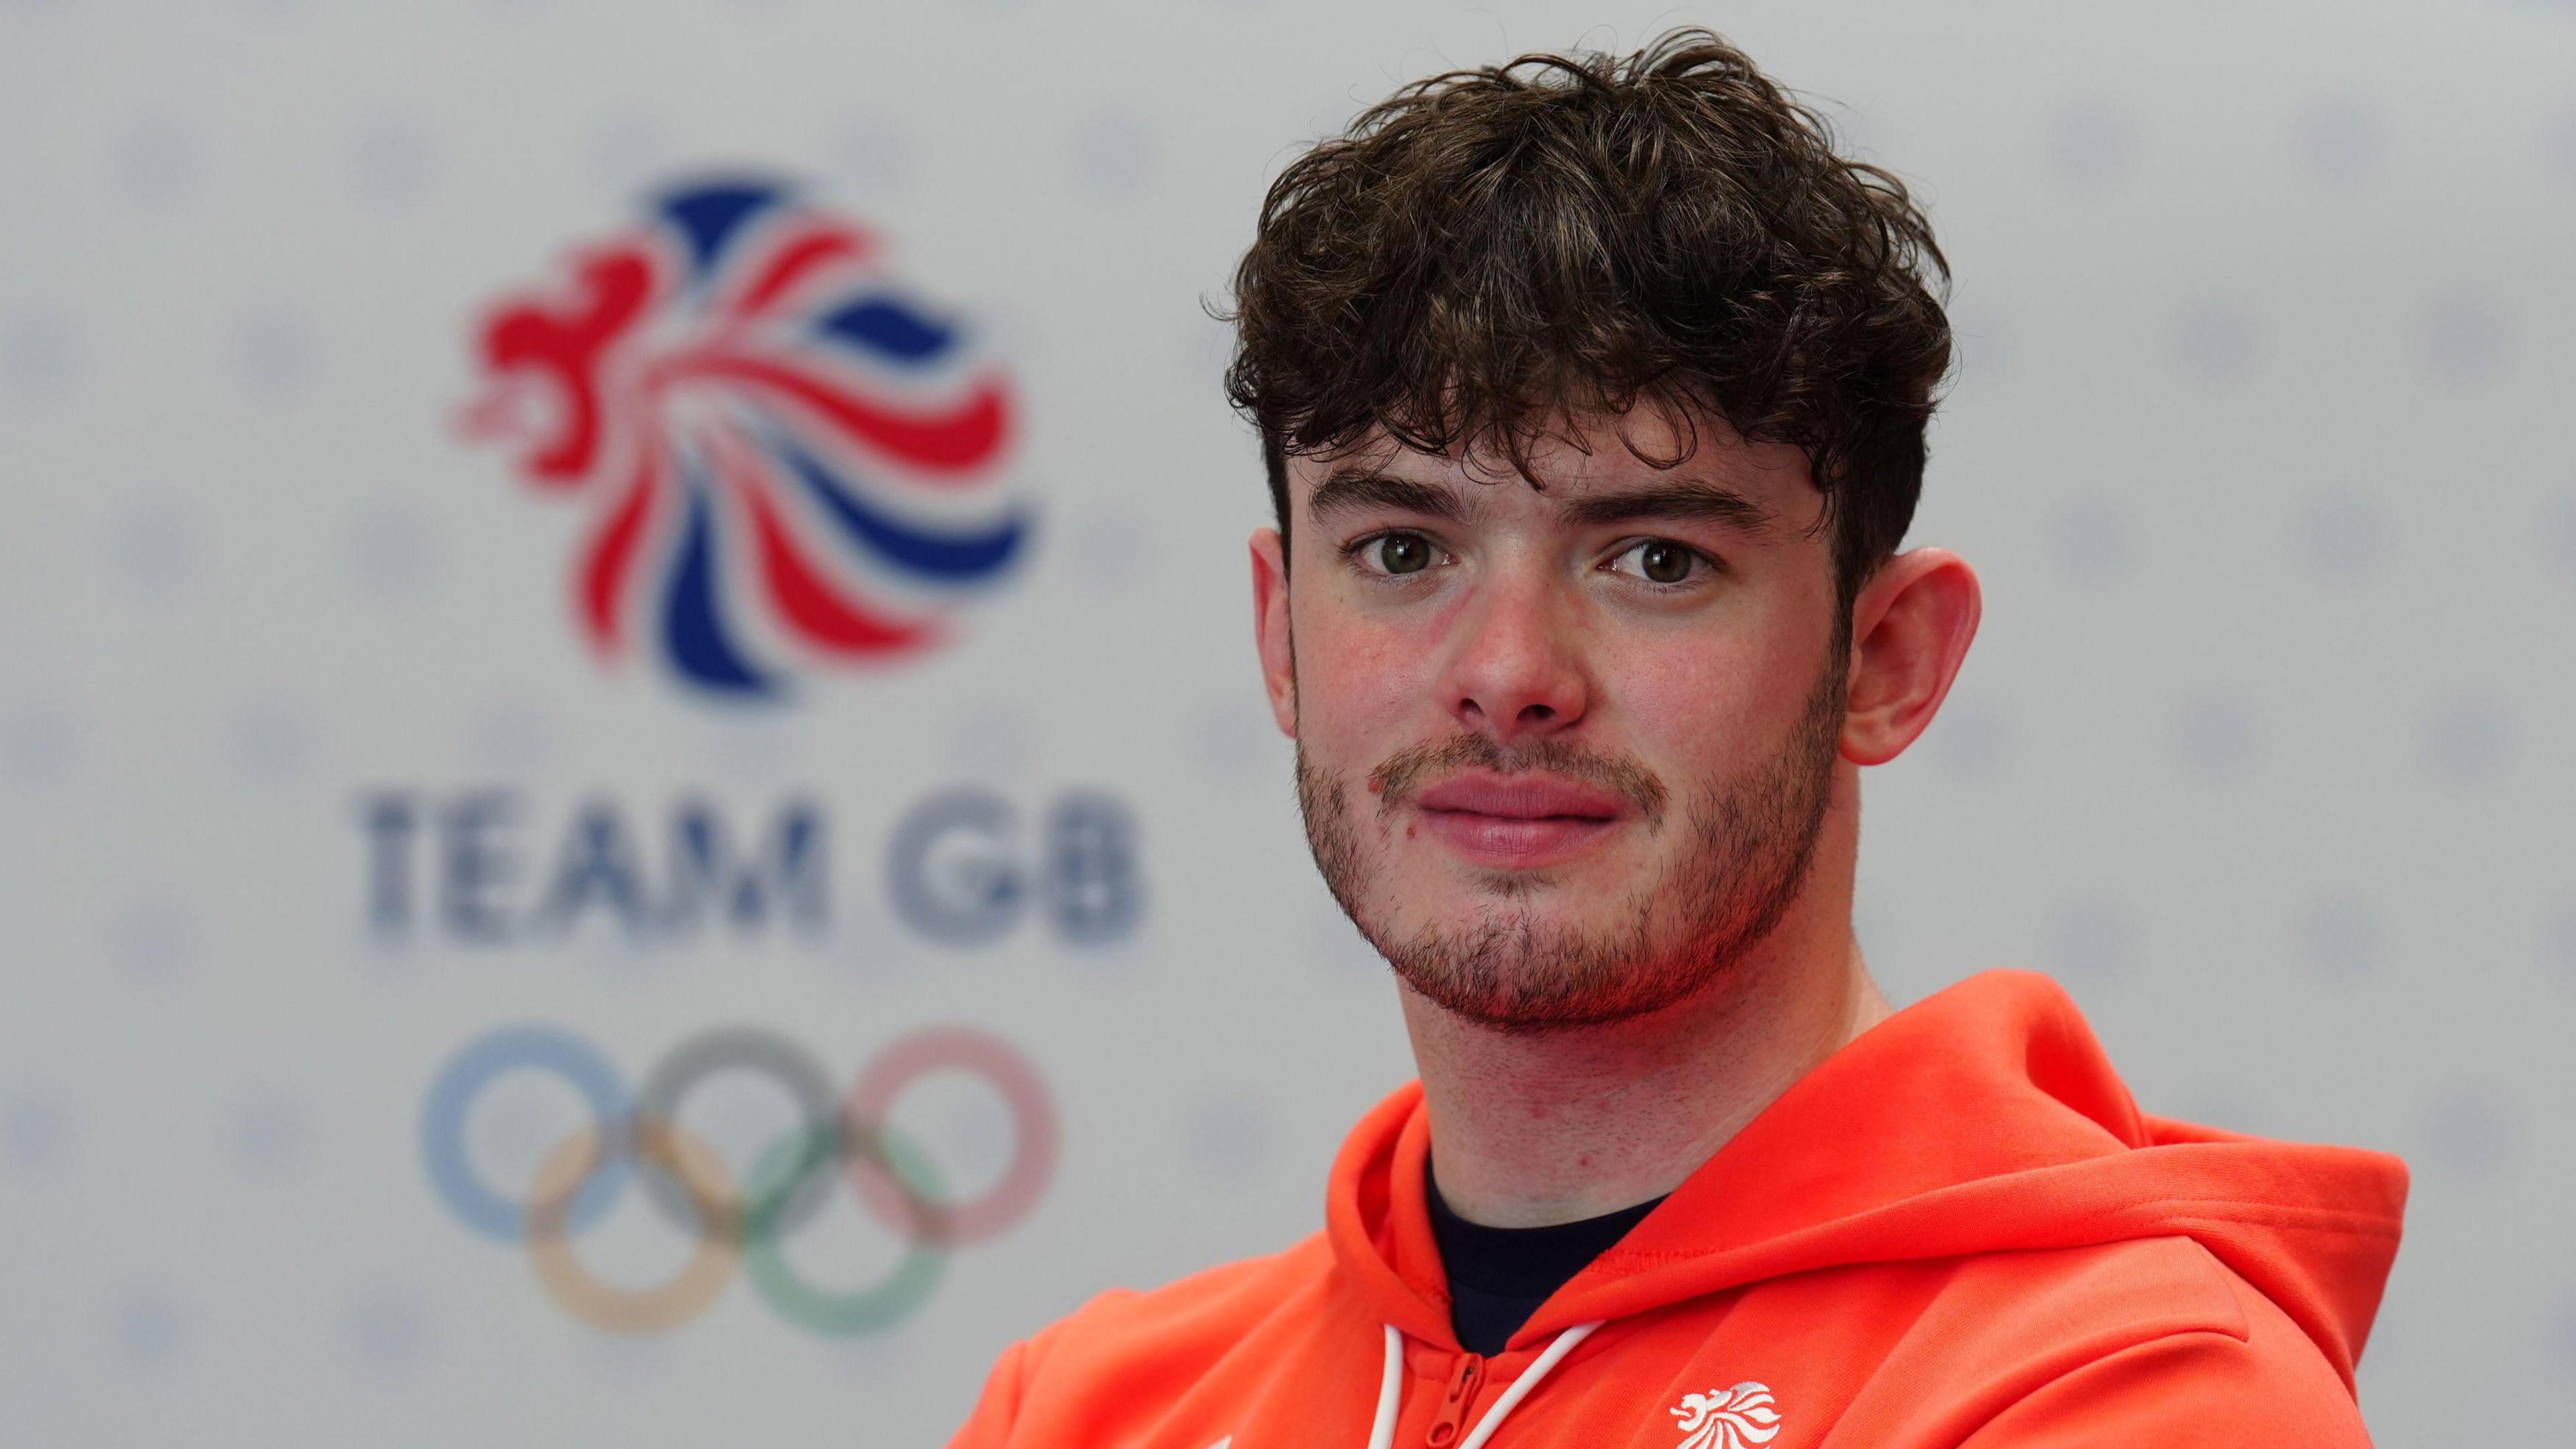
(1359, 683)
(1702, 705)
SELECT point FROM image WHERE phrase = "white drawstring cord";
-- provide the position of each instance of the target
(1391, 1386)
(1390, 1391)
(1555, 1353)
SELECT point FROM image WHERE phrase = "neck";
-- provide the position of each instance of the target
(1529, 1130)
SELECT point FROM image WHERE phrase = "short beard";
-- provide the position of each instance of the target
(1751, 842)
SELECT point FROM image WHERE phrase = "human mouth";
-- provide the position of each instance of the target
(1522, 822)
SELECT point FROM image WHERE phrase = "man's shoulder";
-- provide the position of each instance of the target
(2143, 1332)
(1199, 1315)
(2128, 1290)
(1126, 1347)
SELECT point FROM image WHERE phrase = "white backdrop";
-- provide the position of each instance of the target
(2258, 445)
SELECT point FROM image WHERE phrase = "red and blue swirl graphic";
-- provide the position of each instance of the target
(788, 457)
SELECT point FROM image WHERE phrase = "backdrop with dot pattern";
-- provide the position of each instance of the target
(316, 780)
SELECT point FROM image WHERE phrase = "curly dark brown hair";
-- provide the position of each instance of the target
(1489, 253)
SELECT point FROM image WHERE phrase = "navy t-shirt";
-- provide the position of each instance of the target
(1499, 1276)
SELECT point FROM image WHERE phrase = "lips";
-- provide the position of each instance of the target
(1521, 797)
(1519, 822)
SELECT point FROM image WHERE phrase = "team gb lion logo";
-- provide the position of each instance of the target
(1728, 1418)
(789, 458)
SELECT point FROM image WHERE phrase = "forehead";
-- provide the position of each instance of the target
(1588, 471)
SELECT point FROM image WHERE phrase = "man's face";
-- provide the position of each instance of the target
(1563, 755)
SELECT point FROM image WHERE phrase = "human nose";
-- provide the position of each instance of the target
(1517, 670)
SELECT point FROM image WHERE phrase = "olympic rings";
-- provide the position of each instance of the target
(442, 1125)
(1033, 1125)
(686, 1180)
(727, 1049)
(870, 1309)
(653, 1309)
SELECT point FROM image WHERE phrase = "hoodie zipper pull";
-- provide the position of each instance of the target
(1464, 1380)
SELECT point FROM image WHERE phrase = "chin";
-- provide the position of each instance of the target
(1513, 906)
(1522, 885)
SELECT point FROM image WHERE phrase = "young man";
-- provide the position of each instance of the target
(1594, 392)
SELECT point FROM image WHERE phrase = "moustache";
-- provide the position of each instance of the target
(1417, 767)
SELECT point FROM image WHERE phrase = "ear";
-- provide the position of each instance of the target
(1270, 627)
(1911, 626)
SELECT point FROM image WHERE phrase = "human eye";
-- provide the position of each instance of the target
(1662, 563)
(1393, 554)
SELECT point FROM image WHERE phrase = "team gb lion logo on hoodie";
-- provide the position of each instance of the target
(1728, 1418)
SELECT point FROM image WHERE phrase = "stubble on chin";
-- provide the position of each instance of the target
(1742, 860)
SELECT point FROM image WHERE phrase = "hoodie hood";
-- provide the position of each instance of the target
(1982, 1119)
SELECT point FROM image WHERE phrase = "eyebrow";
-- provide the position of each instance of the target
(1359, 489)
(1692, 500)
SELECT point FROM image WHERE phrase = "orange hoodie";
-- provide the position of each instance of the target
(1959, 1230)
